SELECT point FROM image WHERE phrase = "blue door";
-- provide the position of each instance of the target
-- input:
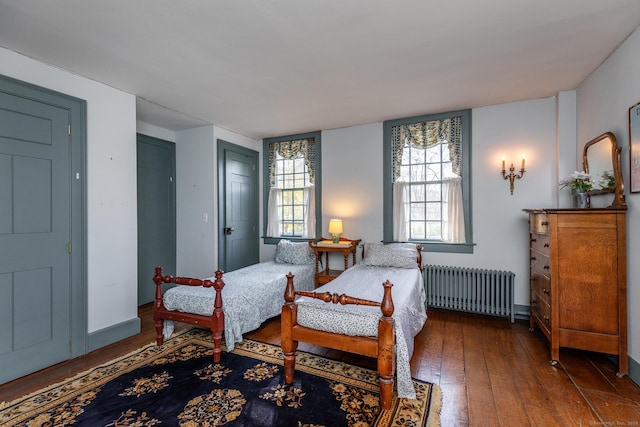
(35, 235)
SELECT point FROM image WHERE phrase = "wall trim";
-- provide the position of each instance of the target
(111, 334)
(634, 371)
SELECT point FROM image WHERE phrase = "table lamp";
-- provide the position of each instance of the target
(335, 229)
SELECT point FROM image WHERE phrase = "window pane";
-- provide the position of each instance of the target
(417, 231)
(434, 192)
(418, 211)
(434, 211)
(434, 230)
(418, 193)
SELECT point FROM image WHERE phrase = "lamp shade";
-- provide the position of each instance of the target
(335, 226)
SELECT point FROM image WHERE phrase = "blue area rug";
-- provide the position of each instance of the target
(178, 384)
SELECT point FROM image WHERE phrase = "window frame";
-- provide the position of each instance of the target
(316, 135)
(430, 245)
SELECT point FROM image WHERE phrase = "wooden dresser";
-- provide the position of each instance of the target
(578, 282)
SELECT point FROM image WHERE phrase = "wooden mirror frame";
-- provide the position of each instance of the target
(618, 189)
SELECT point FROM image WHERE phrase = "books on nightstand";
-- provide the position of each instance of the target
(330, 244)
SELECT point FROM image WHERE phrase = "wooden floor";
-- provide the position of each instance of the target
(492, 373)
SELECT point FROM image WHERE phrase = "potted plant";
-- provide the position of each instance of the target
(579, 183)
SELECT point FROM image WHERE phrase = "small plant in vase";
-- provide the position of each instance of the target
(579, 183)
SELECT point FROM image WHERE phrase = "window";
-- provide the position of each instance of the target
(427, 181)
(292, 168)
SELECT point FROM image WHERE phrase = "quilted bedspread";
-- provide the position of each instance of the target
(365, 282)
(250, 296)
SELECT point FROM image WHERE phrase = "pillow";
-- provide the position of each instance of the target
(288, 252)
(400, 255)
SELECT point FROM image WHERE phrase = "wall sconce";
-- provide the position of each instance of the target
(335, 229)
(512, 176)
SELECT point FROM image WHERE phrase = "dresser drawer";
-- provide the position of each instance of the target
(540, 243)
(541, 309)
(539, 223)
(540, 264)
(541, 285)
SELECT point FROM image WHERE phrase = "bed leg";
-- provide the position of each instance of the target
(289, 346)
(289, 361)
(158, 279)
(386, 364)
(287, 320)
(159, 335)
(386, 348)
(217, 327)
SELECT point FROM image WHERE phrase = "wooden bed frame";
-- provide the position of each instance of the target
(381, 347)
(215, 322)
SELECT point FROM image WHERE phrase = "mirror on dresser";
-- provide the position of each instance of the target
(601, 159)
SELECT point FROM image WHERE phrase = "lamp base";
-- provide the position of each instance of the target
(335, 238)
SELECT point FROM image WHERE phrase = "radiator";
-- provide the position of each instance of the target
(470, 289)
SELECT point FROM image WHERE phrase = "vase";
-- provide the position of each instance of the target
(580, 198)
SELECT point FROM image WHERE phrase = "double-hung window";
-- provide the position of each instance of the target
(427, 181)
(292, 168)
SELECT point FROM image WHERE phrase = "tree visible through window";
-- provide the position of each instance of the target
(292, 195)
(427, 174)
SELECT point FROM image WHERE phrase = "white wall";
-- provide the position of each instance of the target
(603, 105)
(196, 242)
(197, 197)
(112, 273)
(155, 131)
(352, 184)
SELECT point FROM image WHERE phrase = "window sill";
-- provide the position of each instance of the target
(454, 248)
(275, 240)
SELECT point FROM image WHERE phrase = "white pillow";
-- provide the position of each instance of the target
(400, 255)
(288, 252)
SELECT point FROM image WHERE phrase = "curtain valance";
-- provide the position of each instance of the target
(290, 150)
(426, 135)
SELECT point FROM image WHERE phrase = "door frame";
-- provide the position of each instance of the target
(77, 109)
(223, 146)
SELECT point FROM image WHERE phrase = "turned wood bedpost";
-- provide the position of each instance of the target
(217, 317)
(386, 348)
(157, 279)
(288, 319)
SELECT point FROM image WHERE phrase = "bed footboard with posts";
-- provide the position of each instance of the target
(381, 347)
(215, 322)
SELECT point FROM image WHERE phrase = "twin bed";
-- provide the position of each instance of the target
(374, 308)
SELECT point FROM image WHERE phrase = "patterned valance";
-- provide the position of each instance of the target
(426, 135)
(291, 150)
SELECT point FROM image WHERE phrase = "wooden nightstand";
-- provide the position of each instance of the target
(325, 246)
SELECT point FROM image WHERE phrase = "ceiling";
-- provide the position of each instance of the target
(266, 68)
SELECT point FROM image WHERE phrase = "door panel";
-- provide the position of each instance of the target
(156, 213)
(35, 231)
(239, 247)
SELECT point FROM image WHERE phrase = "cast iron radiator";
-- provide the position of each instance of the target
(470, 289)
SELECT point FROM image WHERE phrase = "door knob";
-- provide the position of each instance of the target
(228, 230)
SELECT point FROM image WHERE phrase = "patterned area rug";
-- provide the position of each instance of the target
(177, 384)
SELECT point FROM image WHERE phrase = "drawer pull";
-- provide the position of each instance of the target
(533, 240)
(545, 290)
(533, 258)
(544, 223)
(546, 245)
(546, 267)
(545, 317)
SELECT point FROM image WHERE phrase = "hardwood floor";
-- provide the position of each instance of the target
(492, 373)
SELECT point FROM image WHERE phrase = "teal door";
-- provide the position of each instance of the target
(35, 235)
(238, 206)
(156, 212)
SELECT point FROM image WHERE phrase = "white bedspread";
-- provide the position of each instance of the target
(250, 296)
(365, 282)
